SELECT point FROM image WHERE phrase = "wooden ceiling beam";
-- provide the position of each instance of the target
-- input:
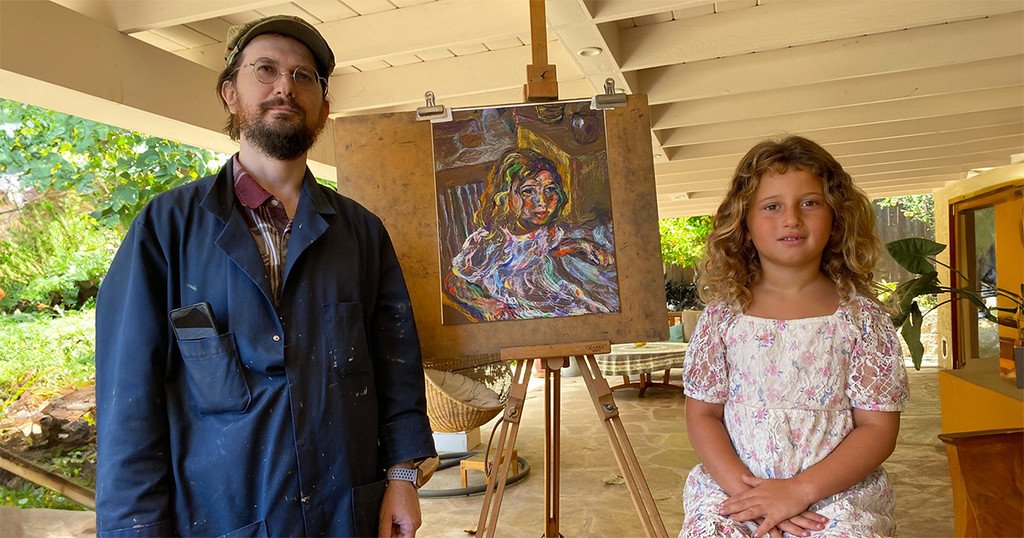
(743, 31)
(994, 154)
(906, 184)
(568, 90)
(888, 150)
(146, 97)
(671, 193)
(996, 157)
(861, 134)
(603, 11)
(712, 187)
(919, 48)
(892, 111)
(709, 204)
(576, 30)
(129, 17)
(406, 31)
(986, 74)
(396, 86)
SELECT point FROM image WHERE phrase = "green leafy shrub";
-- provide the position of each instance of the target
(44, 354)
(77, 464)
(55, 254)
(33, 496)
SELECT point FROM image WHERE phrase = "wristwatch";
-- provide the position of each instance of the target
(403, 473)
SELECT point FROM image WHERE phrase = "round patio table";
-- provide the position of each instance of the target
(643, 360)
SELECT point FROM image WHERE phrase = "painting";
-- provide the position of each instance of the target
(426, 185)
(524, 212)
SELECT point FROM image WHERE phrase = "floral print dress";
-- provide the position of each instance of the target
(789, 387)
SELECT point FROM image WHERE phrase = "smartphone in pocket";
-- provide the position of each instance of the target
(194, 321)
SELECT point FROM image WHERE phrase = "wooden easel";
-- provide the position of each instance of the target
(553, 358)
(541, 77)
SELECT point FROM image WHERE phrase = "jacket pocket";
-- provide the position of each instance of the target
(366, 501)
(215, 378)
(253, 530)
(346, 336)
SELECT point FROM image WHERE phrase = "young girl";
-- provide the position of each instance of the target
(794, 372)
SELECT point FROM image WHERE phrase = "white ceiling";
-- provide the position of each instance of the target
(908, 94)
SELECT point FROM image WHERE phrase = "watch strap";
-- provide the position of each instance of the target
(402, 473)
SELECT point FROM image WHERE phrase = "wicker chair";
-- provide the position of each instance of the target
(471, 406)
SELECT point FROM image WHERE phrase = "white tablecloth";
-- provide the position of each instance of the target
(628, 359)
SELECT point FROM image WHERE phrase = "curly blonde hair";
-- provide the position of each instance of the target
(731, 265)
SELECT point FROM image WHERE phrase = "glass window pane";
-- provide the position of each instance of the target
(985, 274)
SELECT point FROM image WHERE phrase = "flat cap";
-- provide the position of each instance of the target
(240, 35)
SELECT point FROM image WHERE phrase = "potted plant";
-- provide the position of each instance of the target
(917, 255)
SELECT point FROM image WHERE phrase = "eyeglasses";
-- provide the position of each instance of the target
(306, 79)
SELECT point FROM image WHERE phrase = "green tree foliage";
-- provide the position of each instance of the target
(683, 238)
(71, 187)
(920, 207)
(115, 170)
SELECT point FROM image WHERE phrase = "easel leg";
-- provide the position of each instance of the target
(552, 429)
(639, 491)
(601, 395)
(503, 451)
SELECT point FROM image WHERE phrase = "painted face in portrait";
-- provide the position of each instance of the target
(537, 200)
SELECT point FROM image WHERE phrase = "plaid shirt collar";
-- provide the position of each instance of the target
(248, 191)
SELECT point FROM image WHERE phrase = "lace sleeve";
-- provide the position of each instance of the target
(877, 378)
(705, 374)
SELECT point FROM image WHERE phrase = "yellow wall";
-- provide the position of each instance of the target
(974, 398)
(977, 404)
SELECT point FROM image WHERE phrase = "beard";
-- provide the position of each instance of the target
(281, 140)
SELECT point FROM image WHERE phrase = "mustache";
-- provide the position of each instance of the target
(281, 101)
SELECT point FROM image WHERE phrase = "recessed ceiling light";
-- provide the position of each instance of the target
(680, 196)
(590, 51)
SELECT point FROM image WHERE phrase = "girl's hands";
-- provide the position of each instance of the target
(777, 505)
(802, 524)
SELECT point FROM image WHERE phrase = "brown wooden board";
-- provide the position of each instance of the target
(385, 162)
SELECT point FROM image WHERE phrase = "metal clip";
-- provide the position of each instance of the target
(433, 112)
(611, 98)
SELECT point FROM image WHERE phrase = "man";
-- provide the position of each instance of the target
(278, 410)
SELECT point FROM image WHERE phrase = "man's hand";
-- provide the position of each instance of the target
(400, 511)
(773, 503)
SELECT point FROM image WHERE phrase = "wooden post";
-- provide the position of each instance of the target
(541, 79)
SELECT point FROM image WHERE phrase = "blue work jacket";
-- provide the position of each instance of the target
(284, 422)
